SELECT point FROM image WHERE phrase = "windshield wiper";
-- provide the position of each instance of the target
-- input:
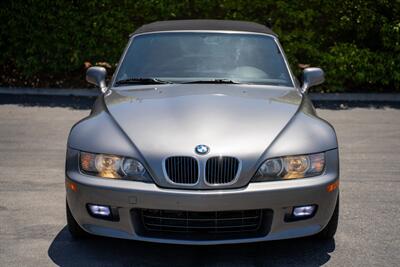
(216, 81)
(142, 81)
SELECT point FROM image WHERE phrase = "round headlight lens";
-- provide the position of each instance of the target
(271, 167)
(132, 167)
(296, 166)
(108, 166)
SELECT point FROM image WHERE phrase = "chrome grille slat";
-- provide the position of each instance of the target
(221, 170)
(182, 170)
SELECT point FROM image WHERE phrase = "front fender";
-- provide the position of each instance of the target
(99, 133)
(305, 134)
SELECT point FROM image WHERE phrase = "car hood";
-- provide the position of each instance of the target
(233, 120)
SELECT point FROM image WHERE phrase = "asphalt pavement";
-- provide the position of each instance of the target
(32, 200)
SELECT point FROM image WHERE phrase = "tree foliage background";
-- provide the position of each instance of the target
(47, 42)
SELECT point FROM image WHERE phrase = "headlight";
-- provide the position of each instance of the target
(291, 167)
(113, 167)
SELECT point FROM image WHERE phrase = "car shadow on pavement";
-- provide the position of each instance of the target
(65, 251)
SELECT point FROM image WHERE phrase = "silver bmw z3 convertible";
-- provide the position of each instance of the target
(203, 136)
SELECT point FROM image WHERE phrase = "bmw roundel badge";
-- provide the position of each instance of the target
(202, 149)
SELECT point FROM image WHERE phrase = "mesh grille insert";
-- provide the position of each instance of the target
(204, 225)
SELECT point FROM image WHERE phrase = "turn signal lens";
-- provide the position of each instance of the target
(88, 162)
(72, 186)
(317, 162)
(331, 187)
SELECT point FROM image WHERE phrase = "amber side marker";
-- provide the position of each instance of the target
(72, 186)
(331, 187)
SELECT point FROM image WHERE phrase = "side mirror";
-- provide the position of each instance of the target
(97, 76)
(312, 77)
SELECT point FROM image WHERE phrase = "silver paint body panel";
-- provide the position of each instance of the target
(249, 122)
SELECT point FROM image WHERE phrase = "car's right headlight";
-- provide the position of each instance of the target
(112, 167)
(291, 167)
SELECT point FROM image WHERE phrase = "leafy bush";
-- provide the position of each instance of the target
(357, 42)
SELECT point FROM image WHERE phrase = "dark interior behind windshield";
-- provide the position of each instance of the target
(187, 56)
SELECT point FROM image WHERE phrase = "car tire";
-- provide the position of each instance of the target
(73, 227)
(330, 229)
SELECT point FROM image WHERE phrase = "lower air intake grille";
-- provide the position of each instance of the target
(221, 170)
(202, 225)
(182, 170)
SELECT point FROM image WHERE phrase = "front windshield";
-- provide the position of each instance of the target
(189, 57)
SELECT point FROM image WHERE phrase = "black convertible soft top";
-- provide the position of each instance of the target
(205, 25)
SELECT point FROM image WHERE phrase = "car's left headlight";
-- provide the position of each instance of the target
(291, 167)
(112, 167)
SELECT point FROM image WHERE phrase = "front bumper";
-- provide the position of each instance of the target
(278, 196)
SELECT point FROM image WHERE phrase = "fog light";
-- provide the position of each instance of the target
(100, 211)
(303, 211)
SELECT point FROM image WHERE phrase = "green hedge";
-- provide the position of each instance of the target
(356, 42)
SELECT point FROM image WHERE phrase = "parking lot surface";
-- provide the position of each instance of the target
(32, 199)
